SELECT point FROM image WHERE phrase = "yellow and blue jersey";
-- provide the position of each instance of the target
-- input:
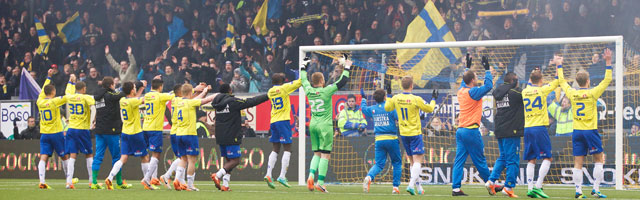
(174, 117)
(279, 97)
(409, 106)
(534, 99)
(584, 101)
(155, 104)
(129, 111)
(186, 115)
(80, 110)
(49, 109)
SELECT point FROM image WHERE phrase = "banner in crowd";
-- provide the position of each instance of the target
(18, 111)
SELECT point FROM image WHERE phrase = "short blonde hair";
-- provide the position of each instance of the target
(187, 89)
(316, 78)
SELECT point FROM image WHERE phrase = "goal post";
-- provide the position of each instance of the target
(619, 75)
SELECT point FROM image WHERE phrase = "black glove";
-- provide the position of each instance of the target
(387, 84)
(469, 61)
(485, 63)
(434, 95)
(305, 63)
(346, 56)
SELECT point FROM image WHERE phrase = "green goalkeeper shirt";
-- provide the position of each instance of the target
(320, 98)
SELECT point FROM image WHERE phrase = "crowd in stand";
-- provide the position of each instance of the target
(128, 39)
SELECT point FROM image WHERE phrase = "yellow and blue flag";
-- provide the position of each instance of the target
(424, 64)
(70, 30)
(231, 31)
(270, 9)
(43, 38)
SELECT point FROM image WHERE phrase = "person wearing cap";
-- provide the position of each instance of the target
(59, 79)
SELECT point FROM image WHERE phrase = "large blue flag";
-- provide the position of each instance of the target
(70, 30)
(29, 88)
(176, 30)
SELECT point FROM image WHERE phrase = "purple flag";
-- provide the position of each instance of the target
(29, 88)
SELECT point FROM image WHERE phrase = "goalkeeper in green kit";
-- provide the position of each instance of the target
(321, 126)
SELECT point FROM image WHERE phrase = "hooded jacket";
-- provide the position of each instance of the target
(108, 120)
(228, 117)
(509, 119)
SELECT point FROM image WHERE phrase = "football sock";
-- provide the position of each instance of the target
(115, 170)
(286, 156)
(577, 179)
(64, 169)
(179, 174)
(190, 179)
(94, 176)
(119, 177)
(172, 168)
(313, 167)
(145, 171)
(323, 167)
(41, 170)
(598, 175)
(415, 174)
(530, 173)
(153, 168)
(71, 162)
(89, 171)
(225, 180)
(221, 172)
(544, 169)
(273, 158)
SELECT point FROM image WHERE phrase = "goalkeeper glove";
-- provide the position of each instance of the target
(485, 63)
(343, 61)
(469, 61)
(434, 95)
(305, 63)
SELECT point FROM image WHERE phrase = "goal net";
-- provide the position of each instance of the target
(440, 66)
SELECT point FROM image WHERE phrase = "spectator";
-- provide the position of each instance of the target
(635, 129)
(350, 120)
(246, 129)
(438, 128)
(127, 70)
(32, 132)
(202, 127)
(92, 80)
(4, 89)
(227, 74)
(239, 83)
(563, 116)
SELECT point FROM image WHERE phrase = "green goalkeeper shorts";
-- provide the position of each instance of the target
(321, 135)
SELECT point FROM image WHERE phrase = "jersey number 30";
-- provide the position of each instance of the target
(316, 105)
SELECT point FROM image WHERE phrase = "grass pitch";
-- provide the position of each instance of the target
(13, 189)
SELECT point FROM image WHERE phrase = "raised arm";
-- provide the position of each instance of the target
(428, 108)
(292, 86)
(389, 105)
(46, 82)
(240, 104)
(561, 81)
(598, 90)
(132, 60)
(110, 59)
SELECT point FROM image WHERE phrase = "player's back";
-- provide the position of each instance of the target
(585, 109)
(174, 116)
(320, 103)
(384, 122)
(49, 109)
(154, 107)
(186, 116)
(129, 111)
(80, 110)
(408, 106)
(534, 99)
(280, 104)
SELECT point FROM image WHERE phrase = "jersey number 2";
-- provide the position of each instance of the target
(581, 108)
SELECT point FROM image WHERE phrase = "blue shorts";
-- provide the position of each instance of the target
(78, 140)
(413, 145)
(230, 151)
(174, 144)
(154, 140)
(133, 145)
(280, 132)
(537, 144)
(188, 145)
(586, 142)
(50, 142)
